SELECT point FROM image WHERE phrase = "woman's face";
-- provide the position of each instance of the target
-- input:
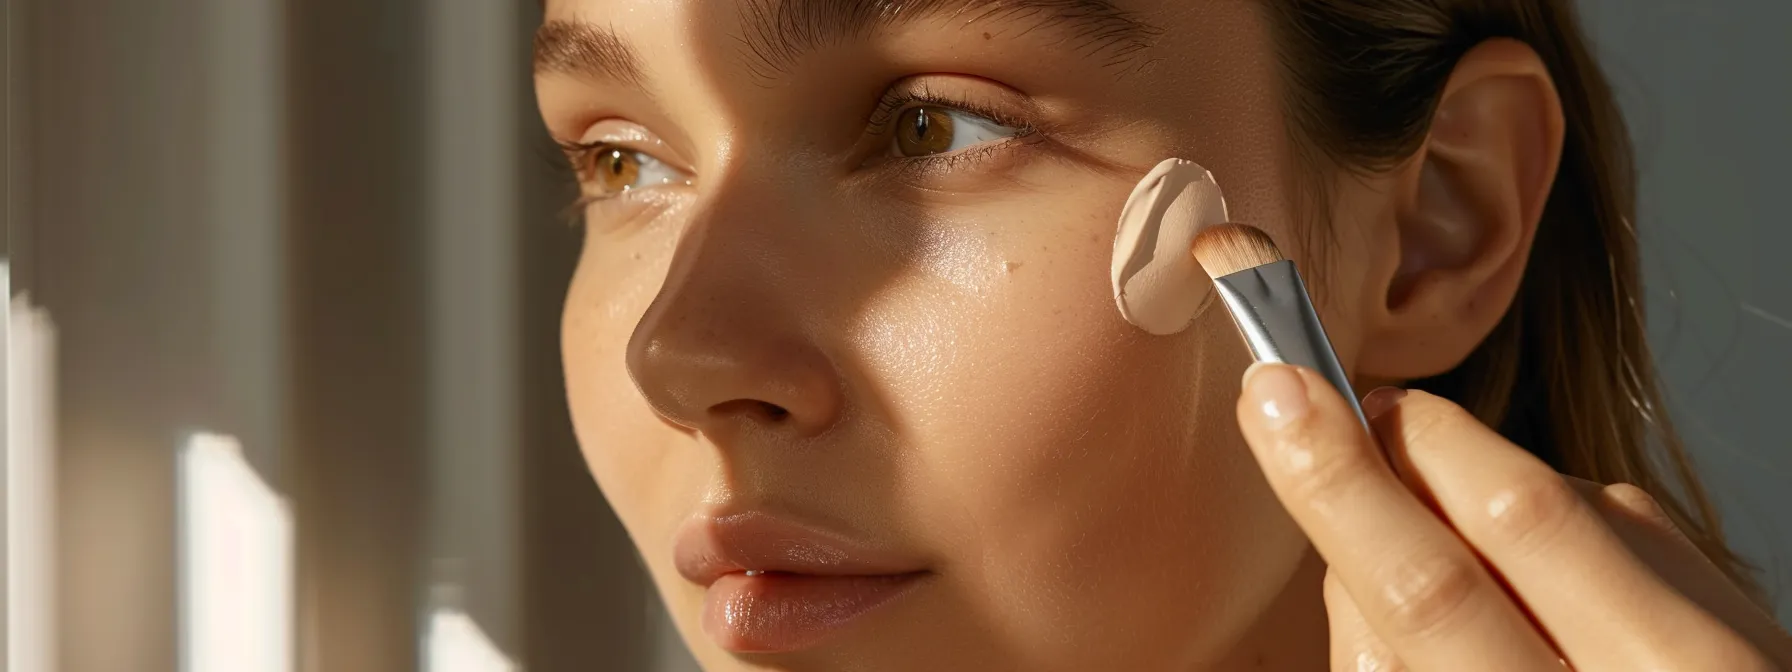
(843, 319)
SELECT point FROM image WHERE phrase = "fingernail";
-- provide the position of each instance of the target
(1277, 391)
(1382, 400)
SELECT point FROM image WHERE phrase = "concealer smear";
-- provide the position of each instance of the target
(1158, 285)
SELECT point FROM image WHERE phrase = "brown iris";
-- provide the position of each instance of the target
(921, 131)
(616, 170)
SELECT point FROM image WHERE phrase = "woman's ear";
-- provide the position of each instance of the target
(1466, 210)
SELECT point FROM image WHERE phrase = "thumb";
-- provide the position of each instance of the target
(1354, 645)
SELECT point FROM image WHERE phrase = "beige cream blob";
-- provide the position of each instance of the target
(1158, 285)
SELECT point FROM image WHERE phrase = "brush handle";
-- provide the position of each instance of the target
(1270, 305)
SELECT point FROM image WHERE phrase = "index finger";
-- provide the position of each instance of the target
(1416, 583)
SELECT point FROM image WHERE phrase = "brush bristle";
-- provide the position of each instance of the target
(1229, 248)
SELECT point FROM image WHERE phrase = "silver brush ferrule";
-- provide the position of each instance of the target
(1273, 312)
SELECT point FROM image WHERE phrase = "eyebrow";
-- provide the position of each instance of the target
(778, 33)
(585, 49)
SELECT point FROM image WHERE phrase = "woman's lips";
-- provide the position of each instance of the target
(774, 585)
(774, 613)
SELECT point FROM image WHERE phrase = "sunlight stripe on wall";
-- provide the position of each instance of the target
(30, 484)
(236, 563)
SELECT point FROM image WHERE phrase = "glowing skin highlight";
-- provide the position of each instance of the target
(1157, 283)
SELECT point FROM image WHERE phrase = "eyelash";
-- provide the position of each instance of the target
(889, 108)
(579, 155)
(894, 103)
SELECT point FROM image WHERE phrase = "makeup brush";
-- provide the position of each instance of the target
(1269, 303)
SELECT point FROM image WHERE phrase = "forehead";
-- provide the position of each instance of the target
(596, 34)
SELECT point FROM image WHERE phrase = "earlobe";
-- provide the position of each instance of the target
(1469, 206)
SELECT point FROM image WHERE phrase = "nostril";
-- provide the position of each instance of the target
(763, 410)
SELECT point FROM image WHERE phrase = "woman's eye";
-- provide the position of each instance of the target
(922, 131)
(609, 171)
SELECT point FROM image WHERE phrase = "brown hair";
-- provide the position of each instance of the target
(1567, 373)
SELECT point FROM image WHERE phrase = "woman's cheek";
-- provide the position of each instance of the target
(620, 436)
(1057, 449)
(1000, 354)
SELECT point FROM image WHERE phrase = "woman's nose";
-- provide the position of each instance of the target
(722, 349)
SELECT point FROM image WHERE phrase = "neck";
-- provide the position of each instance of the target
(1292, 634)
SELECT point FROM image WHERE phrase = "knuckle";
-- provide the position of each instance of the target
(1371, 661)
(1639, 502)
(1320, 474)
(1528, 515)
(1428, 594)
(1428, 420)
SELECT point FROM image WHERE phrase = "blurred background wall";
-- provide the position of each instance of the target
(1708, 99)
(331, 229)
